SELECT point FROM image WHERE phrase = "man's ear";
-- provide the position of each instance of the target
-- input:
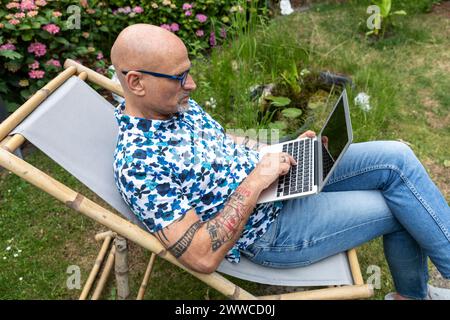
(134, 82)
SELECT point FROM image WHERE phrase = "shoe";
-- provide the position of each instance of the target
(434, 293)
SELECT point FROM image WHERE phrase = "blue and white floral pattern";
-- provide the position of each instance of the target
(163, 168)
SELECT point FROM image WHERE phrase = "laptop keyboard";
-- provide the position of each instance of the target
(300, 177)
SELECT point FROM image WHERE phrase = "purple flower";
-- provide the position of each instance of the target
(212, 39)
(138, 9)
(39, 49)
(51, 28)
(174, 27)
(200, 33)
(54, 62)
(34, 65)
(99, 56)
(36, 74)
(7, 46)
(201, 17)
(27, 5)
(188, 13)
(165, 26)
(187, 6)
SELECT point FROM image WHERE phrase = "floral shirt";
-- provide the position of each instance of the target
(163, 168)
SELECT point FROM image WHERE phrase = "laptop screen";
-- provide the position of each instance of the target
(334, 137)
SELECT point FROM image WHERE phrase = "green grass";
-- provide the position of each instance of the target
(406, 75)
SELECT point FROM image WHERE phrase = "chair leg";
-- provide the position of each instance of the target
(105, 274)
(148, 272)
(95, 268)
(121, 268)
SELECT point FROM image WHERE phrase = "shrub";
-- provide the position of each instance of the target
(36, 36)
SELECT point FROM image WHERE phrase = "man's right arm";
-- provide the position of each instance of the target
(201, 246)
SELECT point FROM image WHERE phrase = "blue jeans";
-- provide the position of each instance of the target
(379, 188)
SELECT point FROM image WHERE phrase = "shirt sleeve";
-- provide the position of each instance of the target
(153, 193)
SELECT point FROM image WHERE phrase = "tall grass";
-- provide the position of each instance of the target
(256, 54)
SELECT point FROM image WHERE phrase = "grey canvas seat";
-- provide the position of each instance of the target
(76, 127)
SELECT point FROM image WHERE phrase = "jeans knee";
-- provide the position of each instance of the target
(399, 153)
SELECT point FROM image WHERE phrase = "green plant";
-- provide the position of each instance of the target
(291, 78)
(382, 18)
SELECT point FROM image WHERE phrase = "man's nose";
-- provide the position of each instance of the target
(190, 84)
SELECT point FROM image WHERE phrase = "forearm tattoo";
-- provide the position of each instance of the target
(222, 228)
(182, 244)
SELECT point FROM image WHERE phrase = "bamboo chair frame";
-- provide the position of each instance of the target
(121, 226)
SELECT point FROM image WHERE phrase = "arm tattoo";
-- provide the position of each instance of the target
(182, 244)
(162, 236)
(223, 228)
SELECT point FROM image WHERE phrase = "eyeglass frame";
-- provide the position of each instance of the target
(181, 78)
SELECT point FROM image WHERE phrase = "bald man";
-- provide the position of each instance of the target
(196, 190)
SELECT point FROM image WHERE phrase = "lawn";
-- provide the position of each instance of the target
(407, 76)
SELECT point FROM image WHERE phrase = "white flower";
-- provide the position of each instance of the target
(286, 8)
(362, 100)
(20, 279)
(211, 103)
(8, 248)
(19, 251)
(304, 72)
(15, 255)
(4, 258)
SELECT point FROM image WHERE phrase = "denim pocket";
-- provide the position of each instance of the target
(269, 236)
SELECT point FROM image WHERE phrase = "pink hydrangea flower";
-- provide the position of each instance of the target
(188, 13)
(7, 46)
(199, 33)
(212, 39)
(201, 17)
(39, 49)
(36, 74)
(14, 21)
(13, 5)
(32, 13)
(125, 10)
(41, 3)
(174, 27)
(56, 14)
(51, 28)
(99, 56)
(34, 65)
(27, 5)
(165, 26)
(54, 62)
(19, 15)
(138, 9)
(187, 6)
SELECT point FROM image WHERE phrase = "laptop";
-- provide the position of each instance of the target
(316, 157)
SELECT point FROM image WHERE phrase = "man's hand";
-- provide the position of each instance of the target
(312, 134)
(271, 166)
(307, 134)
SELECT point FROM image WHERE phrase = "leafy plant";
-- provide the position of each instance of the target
(383, 18)
(278, 101)
(292, 113)
(291, 78)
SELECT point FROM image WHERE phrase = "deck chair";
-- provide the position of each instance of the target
(75, 126)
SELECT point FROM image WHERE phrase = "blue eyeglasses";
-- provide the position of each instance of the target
(182, 77)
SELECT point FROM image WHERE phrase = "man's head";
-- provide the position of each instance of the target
(151, 48)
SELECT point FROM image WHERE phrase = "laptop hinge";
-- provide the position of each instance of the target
(316, 163)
